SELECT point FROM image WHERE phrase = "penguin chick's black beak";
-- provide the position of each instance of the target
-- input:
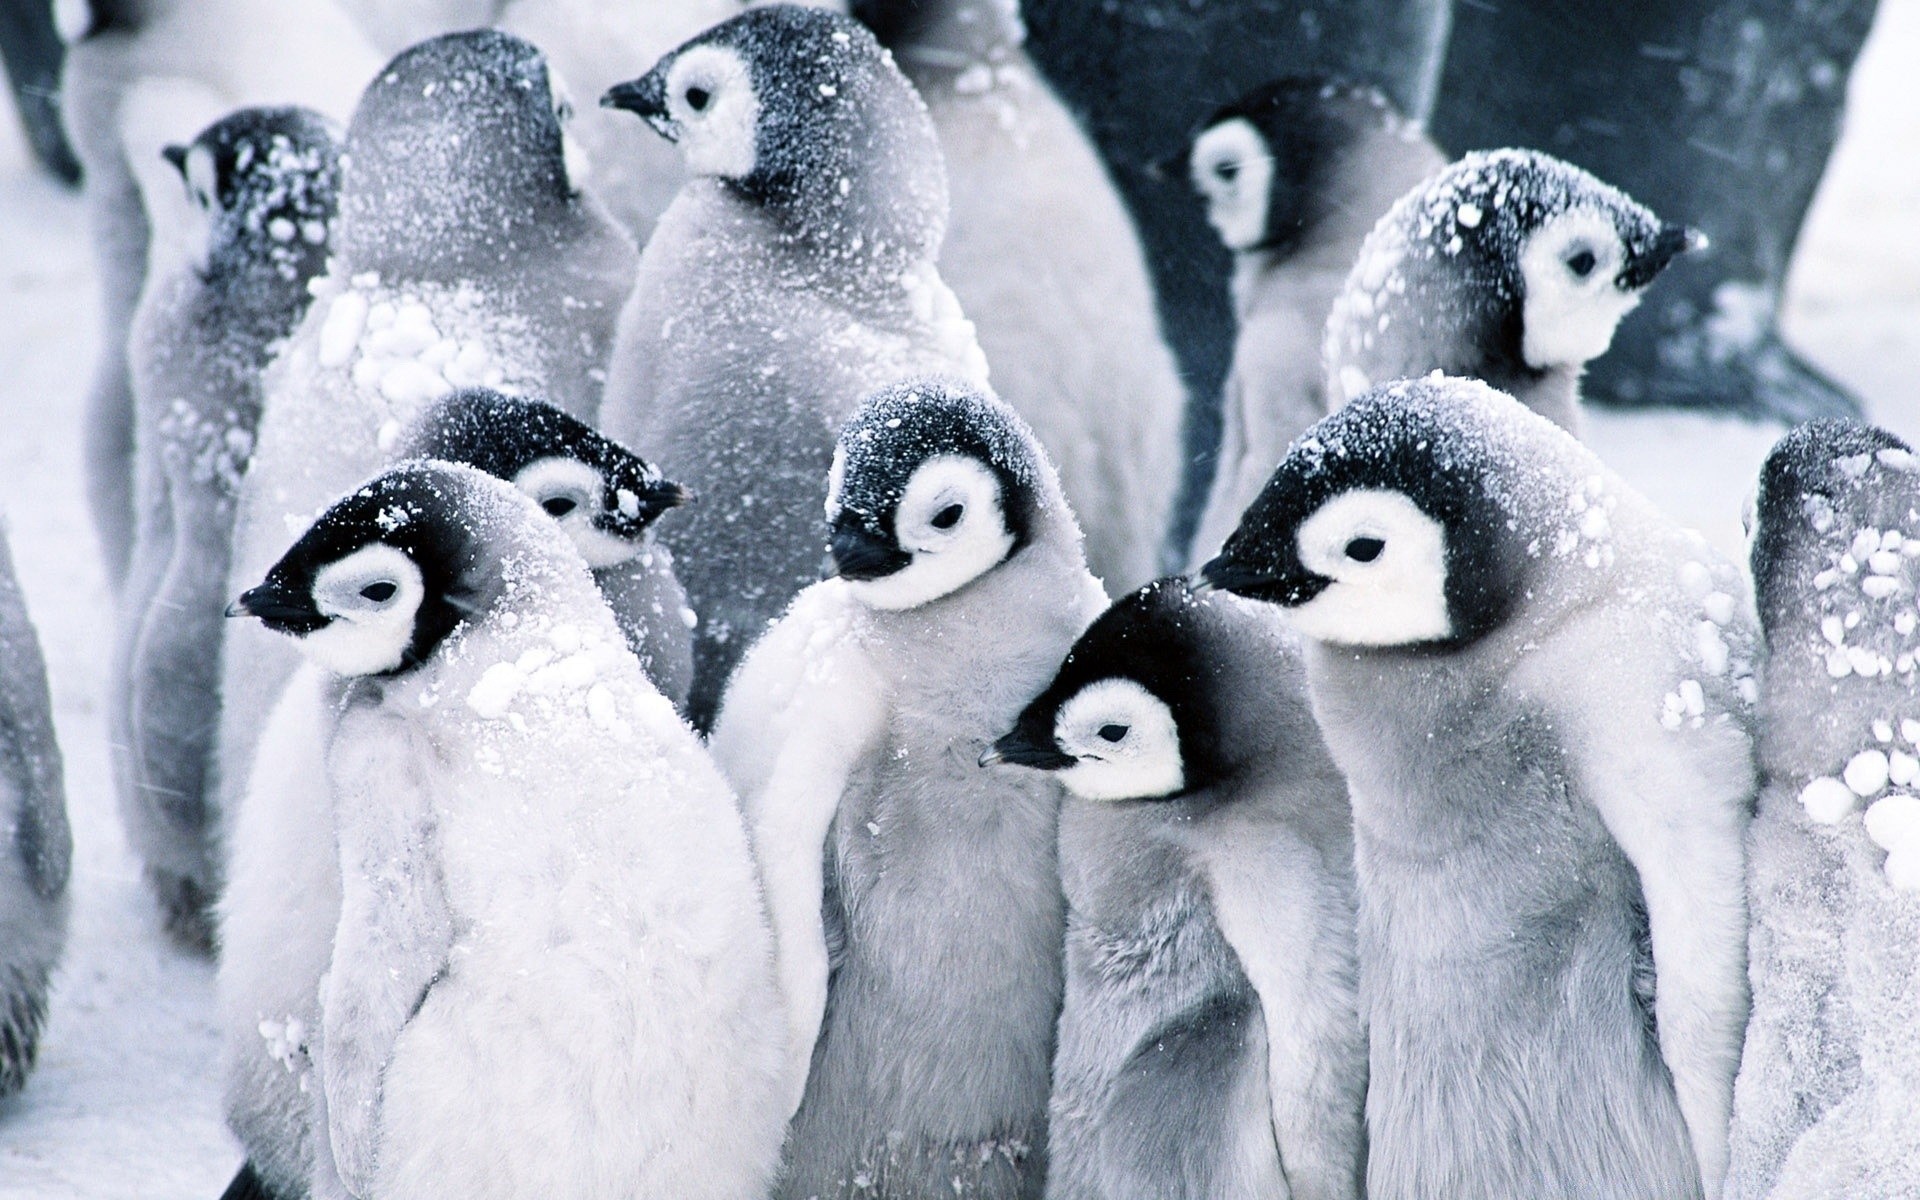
(646, 97)
(860, 554)
(635, 508)
(177, 155)
(1023, 751)
(1645, 263)
(277, 610)
(1224, 574)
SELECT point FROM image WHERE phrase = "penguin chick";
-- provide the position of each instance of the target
(1510, 266)
(793, 275)
(463, 256)
(926, 1005)
(1211, 1014)
(1818, 1108)
(552, 973)
(37, 852)
(1068, 322)
(282, 898)
(1539, 691)
(1294, 174)
(261, 184)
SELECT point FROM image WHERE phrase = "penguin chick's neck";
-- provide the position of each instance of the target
(948, 35)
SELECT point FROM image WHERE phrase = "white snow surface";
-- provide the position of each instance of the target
(125, 1101)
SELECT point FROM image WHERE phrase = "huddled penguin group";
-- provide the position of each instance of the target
(653, 720)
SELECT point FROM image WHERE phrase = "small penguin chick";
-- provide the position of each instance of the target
(265, 182)
(1510, 266)
(1295, 174)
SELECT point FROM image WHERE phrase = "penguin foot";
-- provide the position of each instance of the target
(247, 1185)
(186, 910)
(23, 1010)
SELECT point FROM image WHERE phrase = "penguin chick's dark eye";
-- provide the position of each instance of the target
(1582, 263)
(559, 506)
(948, 517)
(1228, 170)
(1365, 549)
(380, 592)
(1113, 733)
(697, 98)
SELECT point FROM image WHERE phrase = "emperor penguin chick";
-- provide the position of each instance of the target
(1539, 690)
(793, 275)
(282, 897)
(463, 256)
(1068, 321)
(36, 854)
(1210, 1045)
(1820, 1109)
(1294, 175)
(552, 974)
(1510, 266)
(262, 184)
(927, 1002)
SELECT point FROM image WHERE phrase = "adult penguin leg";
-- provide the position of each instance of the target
(1718, 113)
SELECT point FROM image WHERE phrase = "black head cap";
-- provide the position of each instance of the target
(270, 178)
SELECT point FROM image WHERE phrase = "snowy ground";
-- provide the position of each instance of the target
(126, 1100)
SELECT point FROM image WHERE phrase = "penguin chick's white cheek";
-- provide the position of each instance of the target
(1387, 561)
(571, 492)
(1233, 169)
(714, 109)
(1126, 741)
(1573, 304)
(370, 598)
(950, 521)
(203, 204)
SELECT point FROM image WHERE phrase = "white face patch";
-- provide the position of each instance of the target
(713, 106)
(1233, 169)
(573, 154)
(202, 180)
(950, 521)
(1573, 303)
(1388, 564)
(1126, 741)
(371, 597)
(573, 493)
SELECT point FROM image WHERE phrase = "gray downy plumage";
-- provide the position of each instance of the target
(1510, 266)
(262, 183)
(1294, 175)
(943, 915)
(1210, 1044)
(1068, 322)
(463, 256)
(37, 852)
(1817, 1107)
(1540, 692)
(793, 275)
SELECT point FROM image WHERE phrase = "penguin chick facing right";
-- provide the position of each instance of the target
(552, 973)
(1295, 173)
(1210, 1045)
(1510, 266)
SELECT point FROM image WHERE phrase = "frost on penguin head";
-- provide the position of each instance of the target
(604, 495)
(933, 485)
(1507, 266)
(802, 113)
(266, 182)
(1265, 163)
(454, 156)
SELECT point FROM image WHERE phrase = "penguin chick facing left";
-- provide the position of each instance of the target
(552, 973)
(793, 275)
(1540, 692)
(1510, 266)
(1294, 175)
(262, 183)
(1210, 1045)
(923, 1012)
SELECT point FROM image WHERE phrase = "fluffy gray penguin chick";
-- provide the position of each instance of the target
(1509, 266)
(1819, 1108)
(552, 973)
(793, 275)
(1540, 692)
(37, 852)
(1294, 174)
(923, 999)
(1046, 262)
(1210, 1044)
(262, 185)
